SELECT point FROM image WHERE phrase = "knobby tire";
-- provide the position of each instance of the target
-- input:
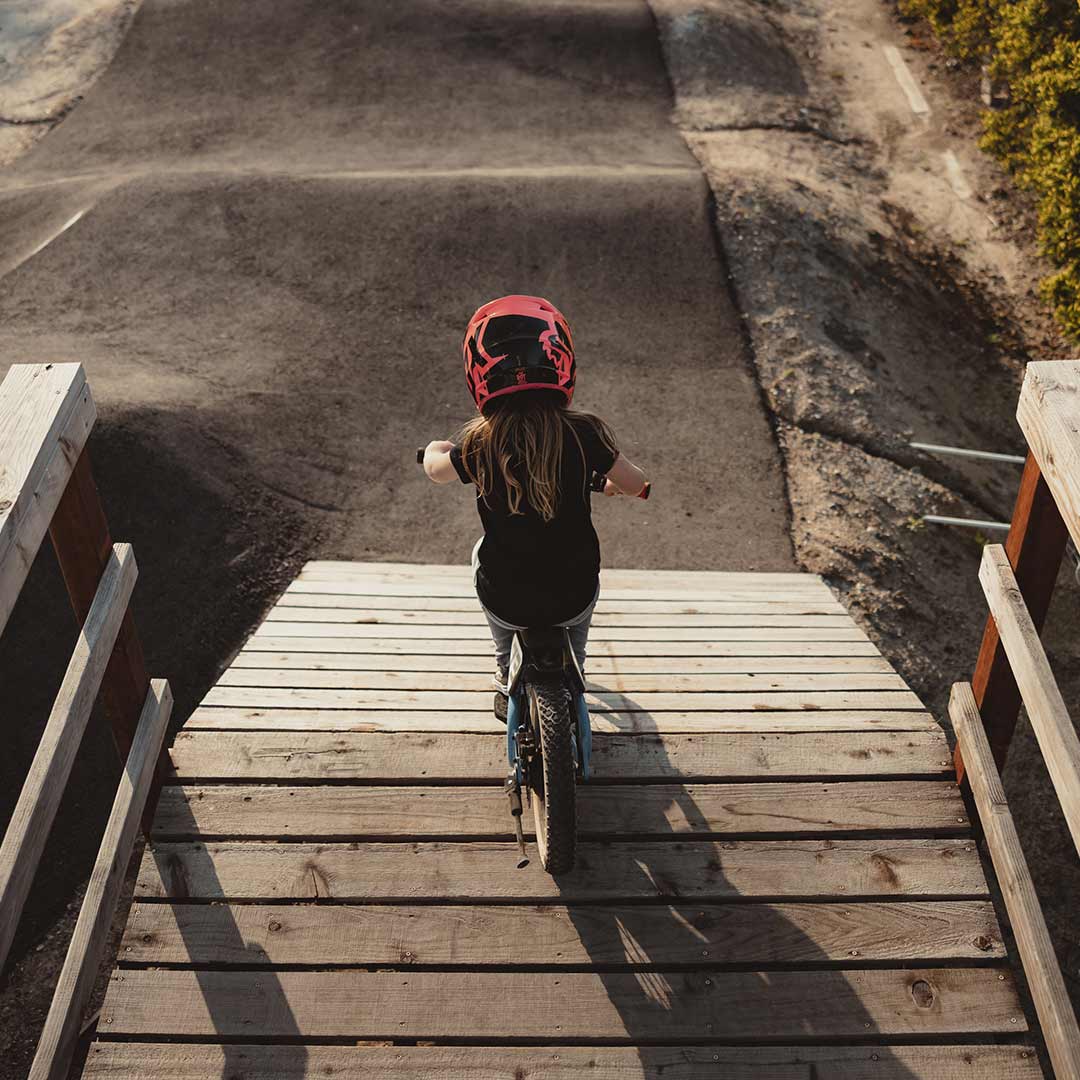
(554, 793)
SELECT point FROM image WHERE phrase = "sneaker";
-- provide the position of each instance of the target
(502, 701)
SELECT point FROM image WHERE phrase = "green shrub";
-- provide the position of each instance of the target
(1035, 45)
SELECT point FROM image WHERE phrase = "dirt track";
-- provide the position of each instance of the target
(287, 217)
(289, 214)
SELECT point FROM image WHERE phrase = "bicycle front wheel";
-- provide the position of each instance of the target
(552, 782)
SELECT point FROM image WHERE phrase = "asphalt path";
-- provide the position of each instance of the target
(285, 215)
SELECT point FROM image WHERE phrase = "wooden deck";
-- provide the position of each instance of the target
(777, 877)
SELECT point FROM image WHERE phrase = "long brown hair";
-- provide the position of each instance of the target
(522, 438)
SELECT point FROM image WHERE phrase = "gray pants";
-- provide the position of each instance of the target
(502, 633)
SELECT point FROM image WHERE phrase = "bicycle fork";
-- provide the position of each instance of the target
(512, 787)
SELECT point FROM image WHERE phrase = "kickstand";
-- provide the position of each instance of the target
(513, 791)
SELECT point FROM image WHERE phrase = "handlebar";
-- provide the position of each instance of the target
(599, 480)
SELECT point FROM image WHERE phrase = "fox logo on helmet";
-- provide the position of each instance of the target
(518, 343)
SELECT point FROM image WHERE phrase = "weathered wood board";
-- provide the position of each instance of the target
(136, 1061)
(236, 718)
(419, 757)
(929, 807)
(485, 870)
(773, 854)
(615, 683)
(554, 935)
(569, 1005)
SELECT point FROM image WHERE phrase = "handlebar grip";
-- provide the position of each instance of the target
(419, 455)
(599, 481)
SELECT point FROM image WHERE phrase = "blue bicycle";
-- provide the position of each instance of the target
(548, 734)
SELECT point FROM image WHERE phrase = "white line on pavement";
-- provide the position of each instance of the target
(918, 103)
(63, 229)
(957, 180)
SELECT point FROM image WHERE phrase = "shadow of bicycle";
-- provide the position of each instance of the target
(702, 975)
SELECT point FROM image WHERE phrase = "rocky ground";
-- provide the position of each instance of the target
(889, 295)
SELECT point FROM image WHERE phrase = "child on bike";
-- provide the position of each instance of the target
(531, 459)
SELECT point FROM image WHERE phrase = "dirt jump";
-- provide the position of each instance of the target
(283, 219)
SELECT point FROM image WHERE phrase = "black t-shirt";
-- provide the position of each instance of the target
(537, 573)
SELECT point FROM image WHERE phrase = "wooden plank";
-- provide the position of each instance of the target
(621, 578)
(43, 789)
(1035, 546)
(599, 665)
(1046, 708)
(478, 646)
(81, 539)
(463, 589)
(484, 870)
(258, 697)
(400, 616)
(1049, 416)
(46, 413)
(297, 596)
(554, 935)
(179, 1061)
(598, 684)
(59, 1036)
(611, 811)
(1056, 1016)
(226, 718)
(224, 755)
(844, 631)
(561, 1005)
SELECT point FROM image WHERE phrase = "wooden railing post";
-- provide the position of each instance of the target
(80, 537)
(1035, 547)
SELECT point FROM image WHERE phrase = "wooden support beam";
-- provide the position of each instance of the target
(1045, 706)
(80, 536)
(36, 809)
(1032, 938)
(46, 413)
(60, 1034)
(1035, 546)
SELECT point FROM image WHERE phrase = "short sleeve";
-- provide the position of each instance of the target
(599, 457)
(459, 465)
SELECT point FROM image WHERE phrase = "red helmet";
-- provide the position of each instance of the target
(518, 343)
